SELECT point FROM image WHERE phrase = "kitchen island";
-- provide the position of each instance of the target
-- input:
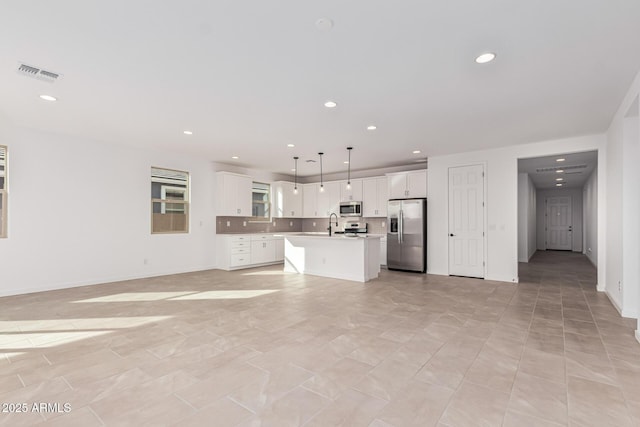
(338, 256)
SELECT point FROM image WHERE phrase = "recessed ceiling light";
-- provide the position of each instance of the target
(346, 162)
(188, 132)
(560, 160)
(293, 170)
(558, 185)
(235, 157)
(559, 179)
(371, 127)
(486, 57)
(290, 145)
(417, 151)
(324, 24)
(559, 171)
(330, 104)
(48, 98)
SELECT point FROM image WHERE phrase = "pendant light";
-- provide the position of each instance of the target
(321, 182)
(295, 188)
(349, 169)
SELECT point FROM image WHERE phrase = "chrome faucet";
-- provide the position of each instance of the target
(330, 222)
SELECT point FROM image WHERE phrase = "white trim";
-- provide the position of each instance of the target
(614, 302)
(637, 335)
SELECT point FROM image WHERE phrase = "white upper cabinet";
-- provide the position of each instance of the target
(284, 201)
(234, 194)
(329, 199)
(374, 197)
(404, 185)
(353, 194)
(310, 200)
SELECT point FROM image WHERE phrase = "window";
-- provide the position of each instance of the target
(169, 201)
(3, 191)
(260, 203)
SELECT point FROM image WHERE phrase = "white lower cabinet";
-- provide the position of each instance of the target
(237, 251)
(383, 251)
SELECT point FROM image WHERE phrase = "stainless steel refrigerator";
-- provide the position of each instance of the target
(407, 235)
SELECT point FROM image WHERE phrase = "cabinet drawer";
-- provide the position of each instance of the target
(240, 251)
(240, 259)
(259, 238)
(238, 239)
(236, 245)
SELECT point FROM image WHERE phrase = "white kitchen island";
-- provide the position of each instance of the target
(339, 257)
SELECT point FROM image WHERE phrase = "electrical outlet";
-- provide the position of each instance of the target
(274, 223)
(314, 223)
(384, 224)
(290, 223)
(145, 261)
(228, 223)
(619, 286)
(244, 223)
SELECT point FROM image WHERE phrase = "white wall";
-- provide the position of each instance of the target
(622, 201)
(590, 217)
(501, 201)
(526, 217)
(576, 216)
(79, 213)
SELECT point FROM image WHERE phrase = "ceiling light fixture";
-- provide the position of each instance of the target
(558, 185)
(235, 157)
(188, 132)
(559, 171)
(417, 151)
(330, 104)
(48, 98)
(371, 127)
(485, 57)
(560, 160)
(290, 145)
(295, 185)
(559, 179)
(349, 169)
(321, 182)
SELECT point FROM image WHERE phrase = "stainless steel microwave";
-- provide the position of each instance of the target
(350, 208)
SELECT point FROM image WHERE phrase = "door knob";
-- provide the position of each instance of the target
(451, 234)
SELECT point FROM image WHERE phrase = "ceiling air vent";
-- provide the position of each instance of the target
(564, 168)
(38, 73)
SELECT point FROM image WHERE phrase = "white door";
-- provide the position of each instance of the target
(559, 226)
(466, 221)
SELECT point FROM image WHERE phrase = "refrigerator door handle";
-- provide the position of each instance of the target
(401, 227)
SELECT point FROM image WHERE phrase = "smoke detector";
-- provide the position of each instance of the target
(38, 73)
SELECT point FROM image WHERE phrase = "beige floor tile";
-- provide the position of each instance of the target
(76, 417)
(515, 419)
(386, 380)
(298, 355)
(419, 404)
(335, 380)
(493, 370)
(222, 412)
(473, 405)
(594, 403)
(543, 365)
(351, 409)
(539, 398)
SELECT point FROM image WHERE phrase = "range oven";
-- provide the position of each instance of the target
(350, 208)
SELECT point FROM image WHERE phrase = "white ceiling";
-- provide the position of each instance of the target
(250, 77)
(573, 171)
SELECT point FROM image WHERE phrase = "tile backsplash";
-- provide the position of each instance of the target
(247, 225)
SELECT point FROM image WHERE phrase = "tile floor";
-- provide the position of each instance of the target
(259, 347)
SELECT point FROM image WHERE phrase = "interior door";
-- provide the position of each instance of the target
(559, 225)
(466, 221)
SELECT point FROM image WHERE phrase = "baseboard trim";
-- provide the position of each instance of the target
(614, 302)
